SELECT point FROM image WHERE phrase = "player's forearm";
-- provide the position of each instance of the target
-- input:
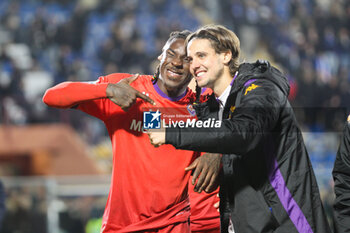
(69, 94)
(226, 139)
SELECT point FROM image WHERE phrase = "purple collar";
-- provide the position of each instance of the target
(234, 77)
(162, 94)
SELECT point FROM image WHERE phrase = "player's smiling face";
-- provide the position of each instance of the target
(206, 65)
(174, 65)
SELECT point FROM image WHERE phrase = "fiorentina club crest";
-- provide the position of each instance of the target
(191, 110)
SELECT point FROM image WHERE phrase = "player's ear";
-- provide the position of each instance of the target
(227, 56)
(160, 57)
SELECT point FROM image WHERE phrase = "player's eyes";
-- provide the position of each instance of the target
(187, 59)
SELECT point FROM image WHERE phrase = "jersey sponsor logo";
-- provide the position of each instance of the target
(250, 88)
(151, 120)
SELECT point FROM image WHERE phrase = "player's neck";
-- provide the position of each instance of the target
(172, 92)
(222, 83)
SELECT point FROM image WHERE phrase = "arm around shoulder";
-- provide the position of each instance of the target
(256, 115)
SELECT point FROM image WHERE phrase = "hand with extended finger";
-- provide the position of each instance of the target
(124, 95)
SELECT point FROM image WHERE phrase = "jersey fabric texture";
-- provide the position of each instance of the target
(268, 182)
(149, 185)
(204, 217)
(341, 176)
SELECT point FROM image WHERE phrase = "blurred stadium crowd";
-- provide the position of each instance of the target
(46, 42)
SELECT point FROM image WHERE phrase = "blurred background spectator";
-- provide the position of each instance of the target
(44, 42)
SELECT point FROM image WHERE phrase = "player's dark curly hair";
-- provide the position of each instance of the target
(174, 35)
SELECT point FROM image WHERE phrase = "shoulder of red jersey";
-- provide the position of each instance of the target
(190, 97)
(205, 94)
(116, 77)
(206, 91)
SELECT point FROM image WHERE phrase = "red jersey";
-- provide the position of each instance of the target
(149, 185)
(204, 217)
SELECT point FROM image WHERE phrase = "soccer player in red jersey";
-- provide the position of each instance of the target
(148, 191)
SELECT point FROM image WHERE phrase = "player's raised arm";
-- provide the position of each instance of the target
(69, 94)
